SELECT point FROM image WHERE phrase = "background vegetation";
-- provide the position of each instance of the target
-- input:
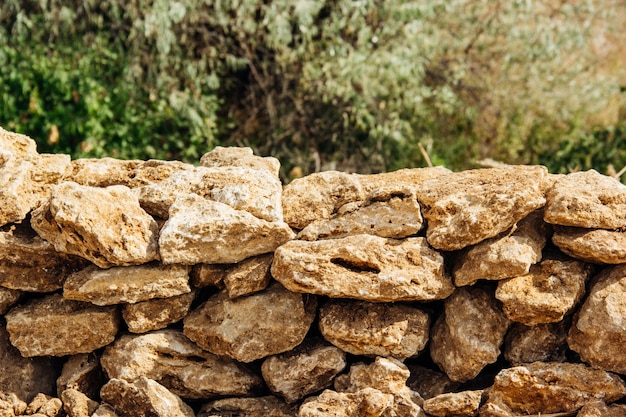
(356, 85)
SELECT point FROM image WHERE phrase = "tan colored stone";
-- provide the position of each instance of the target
(209, 275)
(505, 256)
(156, 314)
(267, 406)
(44, 405)
(143, 398)
(171, 359)
(454, 404)
(248, 276)
(368, 402)
(587, 199)
(465, 208)
(103, 225)
(52, 326)
(598, 331)
(204, 231)
(77, 404)
(105, 410)
(542, 388)
(17, 143)
(239, 157)
(81, 373)
(11, 405)
(546, 294)
(375, 329)
(429, 383)
(468, 335)
(592, 245)
(130, 284)
(306, 369)
(600, 409)
(246, 329)
(540, 343)
(8, 298)
(363, 267)
(23, 378)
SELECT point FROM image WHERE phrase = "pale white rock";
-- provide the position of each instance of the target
(454, 404)
(16, 192)
(505, 256)
(375, 329)
(587, 199)
(469, 333)
(246, 328)
(104, 225)
(143, 398)
(267, 406)
(598, 331)
(465, 208)
(248, 276)
(368, 402)
(17, 143)
(205, 231)
(81, 373)
(308, 368)
(363, 267)
(592, 245)
(158, 313)
(239, 157)
(168, 357)
(540, 343)
(546, 294)
(52, 326)
(129, 284)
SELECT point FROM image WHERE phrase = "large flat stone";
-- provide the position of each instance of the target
(592, 245)
(465, 208)
(363, 267)
(158, 313)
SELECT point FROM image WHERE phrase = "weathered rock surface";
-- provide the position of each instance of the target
(81, 373)
(52, 326)
(363, 267)
(600, 409)
(249, 276)
(23, 377)
(468, 335)
(458, 404)
(143, 398)
(171, 359)
(429, 383)
(11, 405)
(465, 208)
(546, 294)
(209, 275)
(587, 199)
(105, 410)
(156, 314)
(593, 245)
(549, 388)
(44, 406)
(77, 404)
(17, 143)
(29, 263)
(504, 256)
(540, 343)
(267, 406)
(368, 402)
(598, 332)
(205, 231)
(103, 225)
(247, 328)
(130, 284)
(8, 298)
(239, 157)
(306, 369)
(374, 329)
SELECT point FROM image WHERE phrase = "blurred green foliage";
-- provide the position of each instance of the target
(357, 85)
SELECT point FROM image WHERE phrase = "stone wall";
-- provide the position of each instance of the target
(154, 288)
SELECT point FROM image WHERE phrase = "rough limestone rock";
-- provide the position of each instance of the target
(105, 410)
(23, 377)
(81, 373)
(17, 143)
(249, 276)
(306, 369)
(587, 199)
(598, 330)
(77, 404)
(130, 284)
(368, 402)
(429, 383)
(171, 359)
(457, 404)
(546, 294)
(363, 267)
(468, 335)
(205, 231)
(255, 191)
(52, 326)
(143, 398)
(44, 406)
(505, 256)
(8, 298)
(103, 225)
(267, 406)
(29, 263)
(239, 157)
(375, 329)
(209, 275)
(465, 208)
(592, 245)
(392, 215)
(540, 343)
(600, 409)
(248, 328)
(156, 314)
(545, 388)
(11, 405)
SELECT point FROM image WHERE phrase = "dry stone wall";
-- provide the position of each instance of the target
(156, 288)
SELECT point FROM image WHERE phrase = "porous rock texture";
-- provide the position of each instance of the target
(161, 288)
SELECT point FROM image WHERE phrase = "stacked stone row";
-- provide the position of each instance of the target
(132, 288)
